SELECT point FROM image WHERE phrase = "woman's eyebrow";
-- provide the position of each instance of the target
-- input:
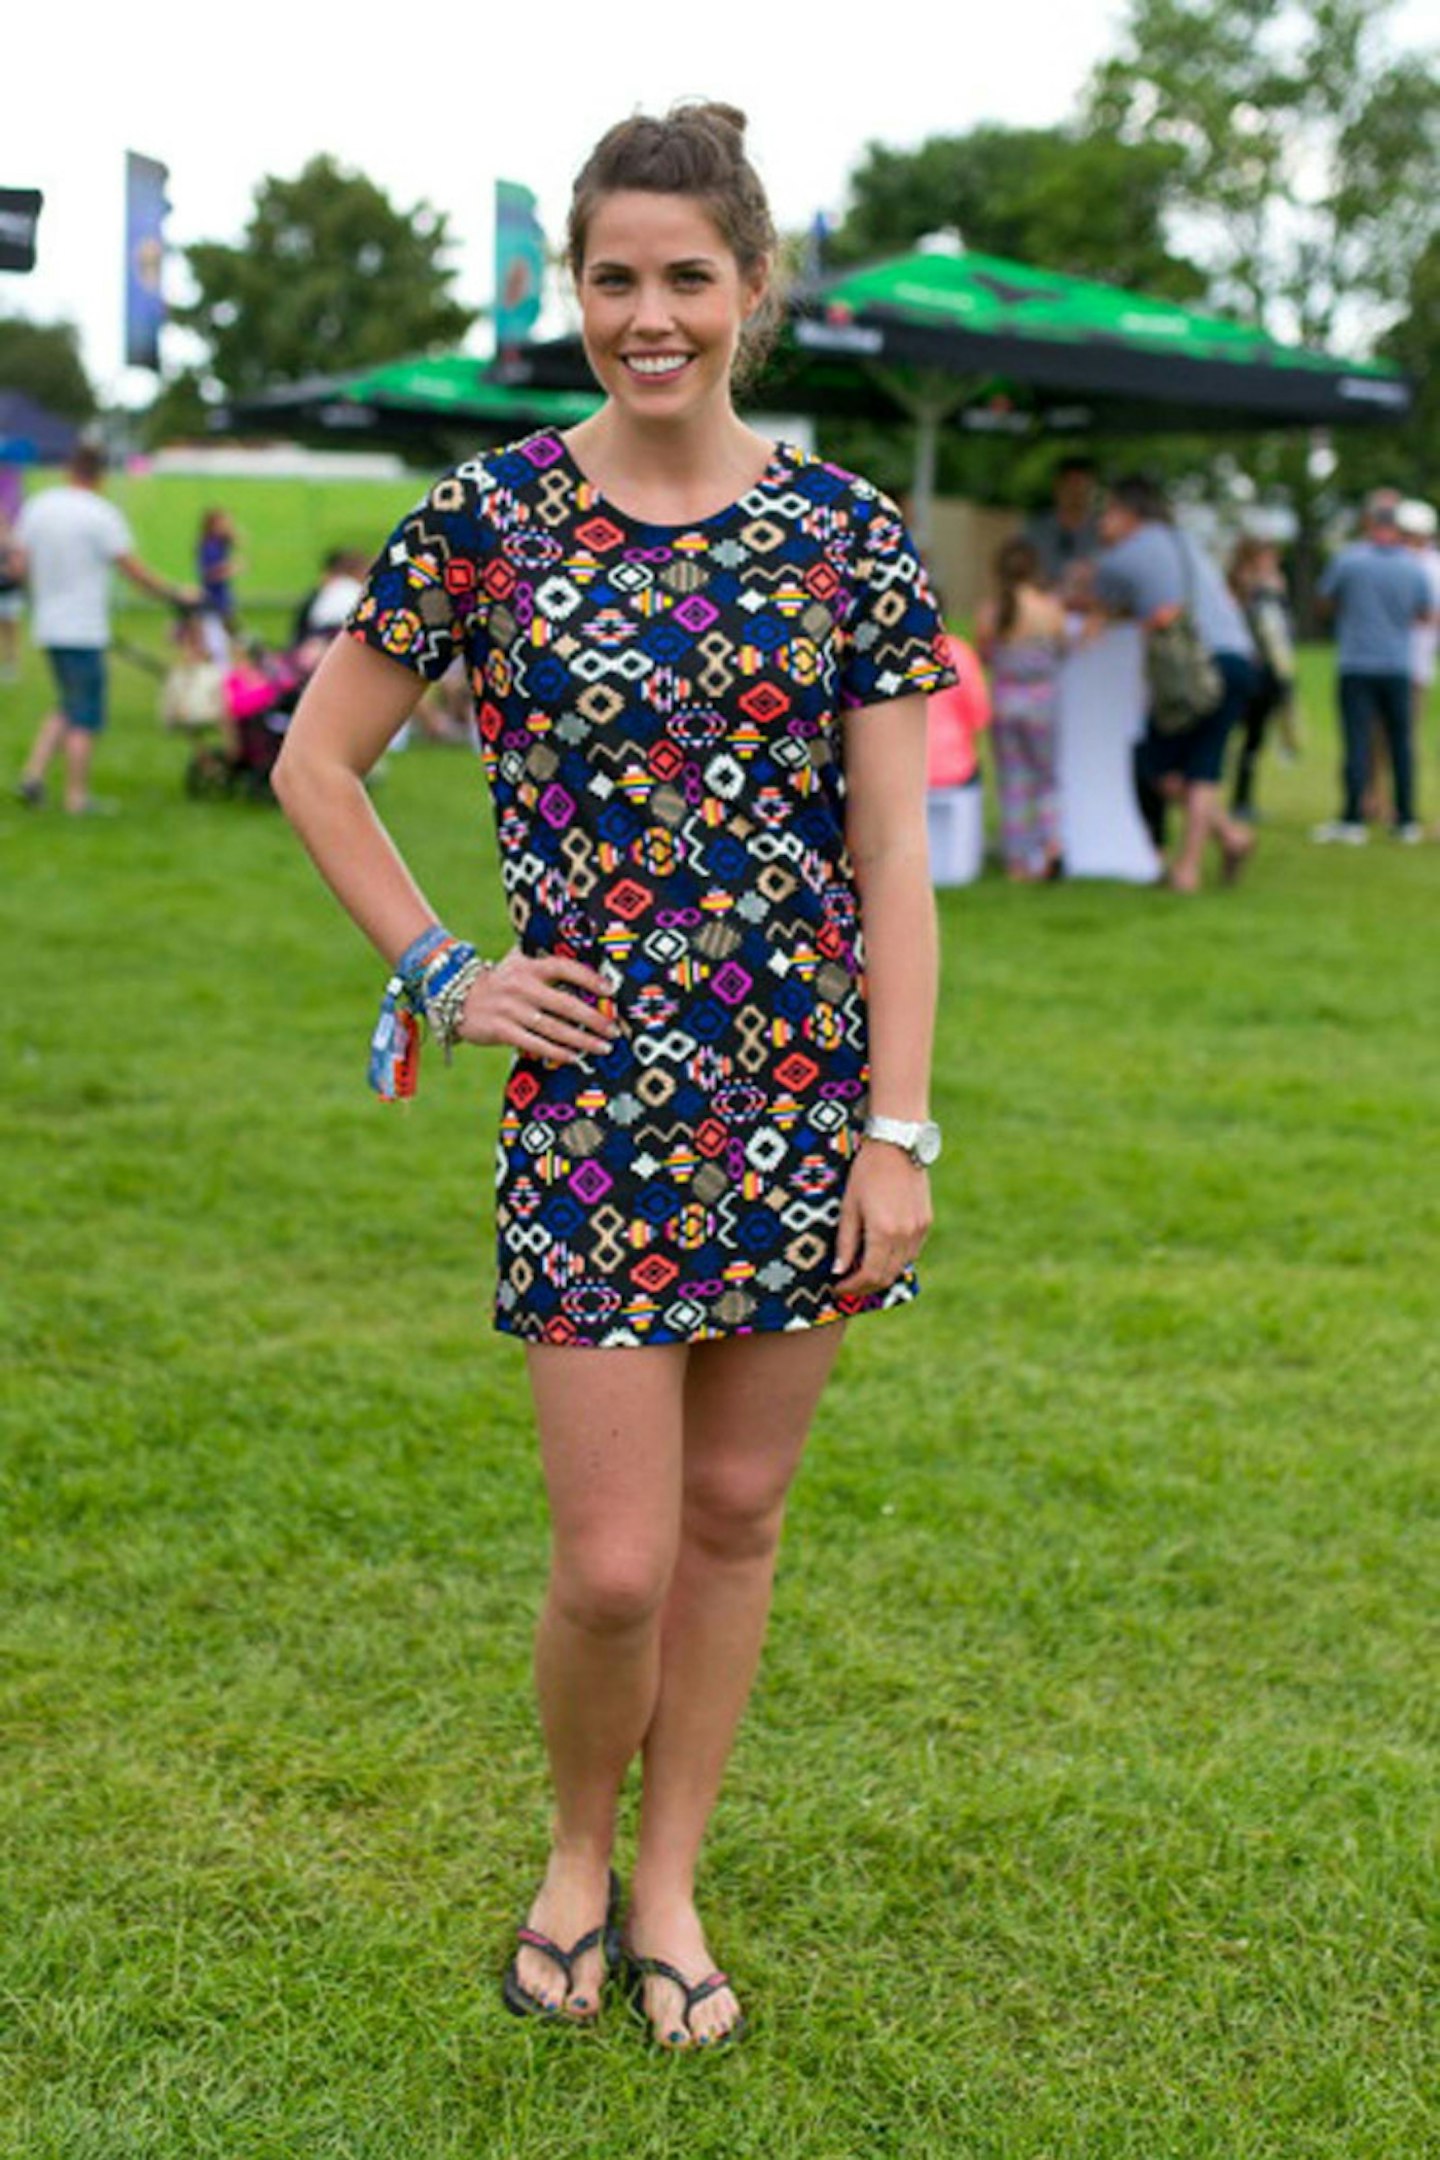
(684, 262)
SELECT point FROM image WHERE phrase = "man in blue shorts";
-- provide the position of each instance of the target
(65, 542)
(1150, 570)
(1377, 593)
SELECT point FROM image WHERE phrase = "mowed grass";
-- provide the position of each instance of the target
(285, 526)
(1086, 1806)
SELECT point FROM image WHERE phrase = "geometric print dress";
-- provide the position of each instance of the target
(659, 713)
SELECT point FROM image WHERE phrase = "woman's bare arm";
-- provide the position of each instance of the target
(885, 834)
(886, 1212)
(356, 701)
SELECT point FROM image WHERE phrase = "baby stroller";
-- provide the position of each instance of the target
(260, 693)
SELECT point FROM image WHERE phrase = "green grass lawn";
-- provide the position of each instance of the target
(285, 526)
(1086, 1807)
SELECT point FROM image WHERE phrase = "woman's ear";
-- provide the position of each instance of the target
(756, 288)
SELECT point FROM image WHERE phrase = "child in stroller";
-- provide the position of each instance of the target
(260, 692)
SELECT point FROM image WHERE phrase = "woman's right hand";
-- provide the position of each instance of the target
(535, 1003)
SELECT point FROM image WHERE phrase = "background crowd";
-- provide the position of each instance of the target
(1098, 555)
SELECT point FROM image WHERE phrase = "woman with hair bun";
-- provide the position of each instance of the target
(700, 662)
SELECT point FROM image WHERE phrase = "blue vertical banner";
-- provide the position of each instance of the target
(519, 264)
(146, 205)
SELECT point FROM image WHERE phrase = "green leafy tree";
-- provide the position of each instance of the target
(180, 413)
(1309, 161)
(1307, 153)
(1415, 344)
(1407, 457)
(330, 275)
(43, 360)
(1083, 203)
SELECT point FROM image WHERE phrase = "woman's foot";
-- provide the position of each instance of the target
(574, 1900)
(670, 1932)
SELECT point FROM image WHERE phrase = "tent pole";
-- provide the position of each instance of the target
(922, 486)
(929, 401)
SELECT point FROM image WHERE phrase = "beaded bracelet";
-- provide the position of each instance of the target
(431, 977)
(443, 1008)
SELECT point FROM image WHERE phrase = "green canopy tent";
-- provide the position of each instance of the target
(403, 400)
(947, 338)
(974, 341)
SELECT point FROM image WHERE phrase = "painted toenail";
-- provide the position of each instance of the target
(676, 2039)
(579, 2002)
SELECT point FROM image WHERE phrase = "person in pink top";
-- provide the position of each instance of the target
(955, 720)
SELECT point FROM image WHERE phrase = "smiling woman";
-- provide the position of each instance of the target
(696, 157)
(700, 661)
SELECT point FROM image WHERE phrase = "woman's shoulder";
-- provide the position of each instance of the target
(514, 470)
(825, 482)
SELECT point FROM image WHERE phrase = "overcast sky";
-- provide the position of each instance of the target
(434, 105)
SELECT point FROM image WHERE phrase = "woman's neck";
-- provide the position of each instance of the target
(675, 470)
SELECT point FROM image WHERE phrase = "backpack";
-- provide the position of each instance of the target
(1181, 677)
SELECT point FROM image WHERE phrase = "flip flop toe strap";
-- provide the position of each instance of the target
(565, 1959)
(704, 1989)
(695, 1992)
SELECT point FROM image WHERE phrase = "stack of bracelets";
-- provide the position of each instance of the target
(432, 978)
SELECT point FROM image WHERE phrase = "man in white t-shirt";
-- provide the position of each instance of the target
(66, 542)
(1418, 524)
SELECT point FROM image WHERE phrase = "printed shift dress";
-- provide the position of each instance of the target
(659, 712)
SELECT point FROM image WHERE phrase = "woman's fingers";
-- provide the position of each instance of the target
(527, 1002)
(582, 1035)
(884, 1219)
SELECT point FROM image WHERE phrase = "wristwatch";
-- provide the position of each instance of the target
(920, 1142)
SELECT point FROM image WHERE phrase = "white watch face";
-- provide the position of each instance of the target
(927, 1145)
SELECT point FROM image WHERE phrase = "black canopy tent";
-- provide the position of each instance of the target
(970, 340)
(945, 338)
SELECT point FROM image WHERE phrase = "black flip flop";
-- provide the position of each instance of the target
(519, 1999)
(640, 1969)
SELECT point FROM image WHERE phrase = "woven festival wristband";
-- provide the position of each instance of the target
(425, 975)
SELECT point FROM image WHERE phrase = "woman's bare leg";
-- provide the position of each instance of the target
(748, 1405)
(611, 1426)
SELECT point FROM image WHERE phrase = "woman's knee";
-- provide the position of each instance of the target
(609, 1589)
(736, 1512)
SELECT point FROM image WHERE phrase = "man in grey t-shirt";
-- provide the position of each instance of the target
(1376, 592)
(67, 540)
(1067, 537)
(1151, 571)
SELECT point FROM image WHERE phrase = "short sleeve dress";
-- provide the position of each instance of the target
(659, 712)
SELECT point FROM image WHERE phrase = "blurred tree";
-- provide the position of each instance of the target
(329, 275)
(1309, 165)
(43, 360)
(180, 413)
(1084, 203)
(1415, 344)
(1407, 457)
(1307, 154)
